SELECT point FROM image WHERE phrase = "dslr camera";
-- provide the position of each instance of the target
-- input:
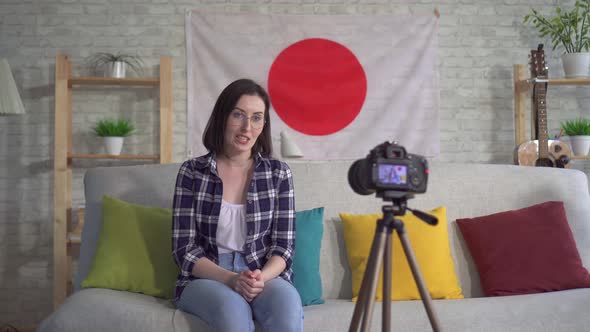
(390, 171)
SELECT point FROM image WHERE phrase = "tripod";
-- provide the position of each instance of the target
(381, 250)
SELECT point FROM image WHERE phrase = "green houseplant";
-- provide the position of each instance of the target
(578, 131)
(113, 132)
(567, 30)
(576, 127)
(115, 64)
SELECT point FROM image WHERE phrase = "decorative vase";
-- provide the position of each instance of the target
(576, 65)
(580, 145)
(113, 145)
(115, 69)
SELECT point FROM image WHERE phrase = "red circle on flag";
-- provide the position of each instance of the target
(317, 86)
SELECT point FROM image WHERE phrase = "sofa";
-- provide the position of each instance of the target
(467, 190)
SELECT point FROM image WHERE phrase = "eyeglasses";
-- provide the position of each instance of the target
(238, 118)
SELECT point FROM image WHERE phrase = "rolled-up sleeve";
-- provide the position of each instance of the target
(283, 226)
(185, 250)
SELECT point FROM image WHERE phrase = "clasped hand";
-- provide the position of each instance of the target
(248, 284)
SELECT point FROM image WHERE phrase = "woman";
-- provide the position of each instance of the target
(234, 222)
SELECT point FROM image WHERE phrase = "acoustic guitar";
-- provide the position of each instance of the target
(541, 152)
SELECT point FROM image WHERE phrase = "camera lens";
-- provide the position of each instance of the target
(359, 177)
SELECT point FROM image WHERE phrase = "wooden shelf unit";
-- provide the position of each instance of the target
(65, 237)
(81, 80)
(521, 88)
(110, 156)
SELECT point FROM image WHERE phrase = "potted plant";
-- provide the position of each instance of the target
(115, 65)
(578, 131)
(567, 30)
(113, 132)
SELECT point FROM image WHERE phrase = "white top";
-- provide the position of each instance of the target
(231, 227)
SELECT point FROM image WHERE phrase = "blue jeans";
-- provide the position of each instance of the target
(276, 308)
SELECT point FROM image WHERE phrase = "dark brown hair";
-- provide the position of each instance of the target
(214, 135)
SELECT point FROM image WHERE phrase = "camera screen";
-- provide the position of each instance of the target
(393, 174)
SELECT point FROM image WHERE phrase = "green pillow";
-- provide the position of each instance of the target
(133, 252)
(306, 263)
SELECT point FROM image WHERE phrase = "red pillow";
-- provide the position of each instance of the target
(531, 250)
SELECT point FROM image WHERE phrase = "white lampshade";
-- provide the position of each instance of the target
(288, 147)
(10, 102)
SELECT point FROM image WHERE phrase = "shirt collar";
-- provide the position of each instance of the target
(209, 161)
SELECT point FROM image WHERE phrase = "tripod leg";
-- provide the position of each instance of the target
(426, 300)
(374, 278)
(363, 308)
(386, 313)
(365, 287)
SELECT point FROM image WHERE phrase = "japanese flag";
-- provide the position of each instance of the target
(339, 84)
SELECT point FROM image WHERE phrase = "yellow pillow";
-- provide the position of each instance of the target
(431, 247)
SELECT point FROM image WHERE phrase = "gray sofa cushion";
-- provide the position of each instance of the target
(109, 310)
(151, 185)
(557, 311)
(97, 309)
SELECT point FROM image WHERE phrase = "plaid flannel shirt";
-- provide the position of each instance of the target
(270, 215)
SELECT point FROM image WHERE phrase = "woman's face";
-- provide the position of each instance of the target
(244, 125)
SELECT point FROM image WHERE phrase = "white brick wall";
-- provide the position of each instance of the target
(480, 40)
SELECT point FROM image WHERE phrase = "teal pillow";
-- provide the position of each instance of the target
(133, 250)
(306, 264)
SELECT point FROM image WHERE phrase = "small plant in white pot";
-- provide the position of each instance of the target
(567, 30)
(578, 131)
(115, 65)
(113, 132)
